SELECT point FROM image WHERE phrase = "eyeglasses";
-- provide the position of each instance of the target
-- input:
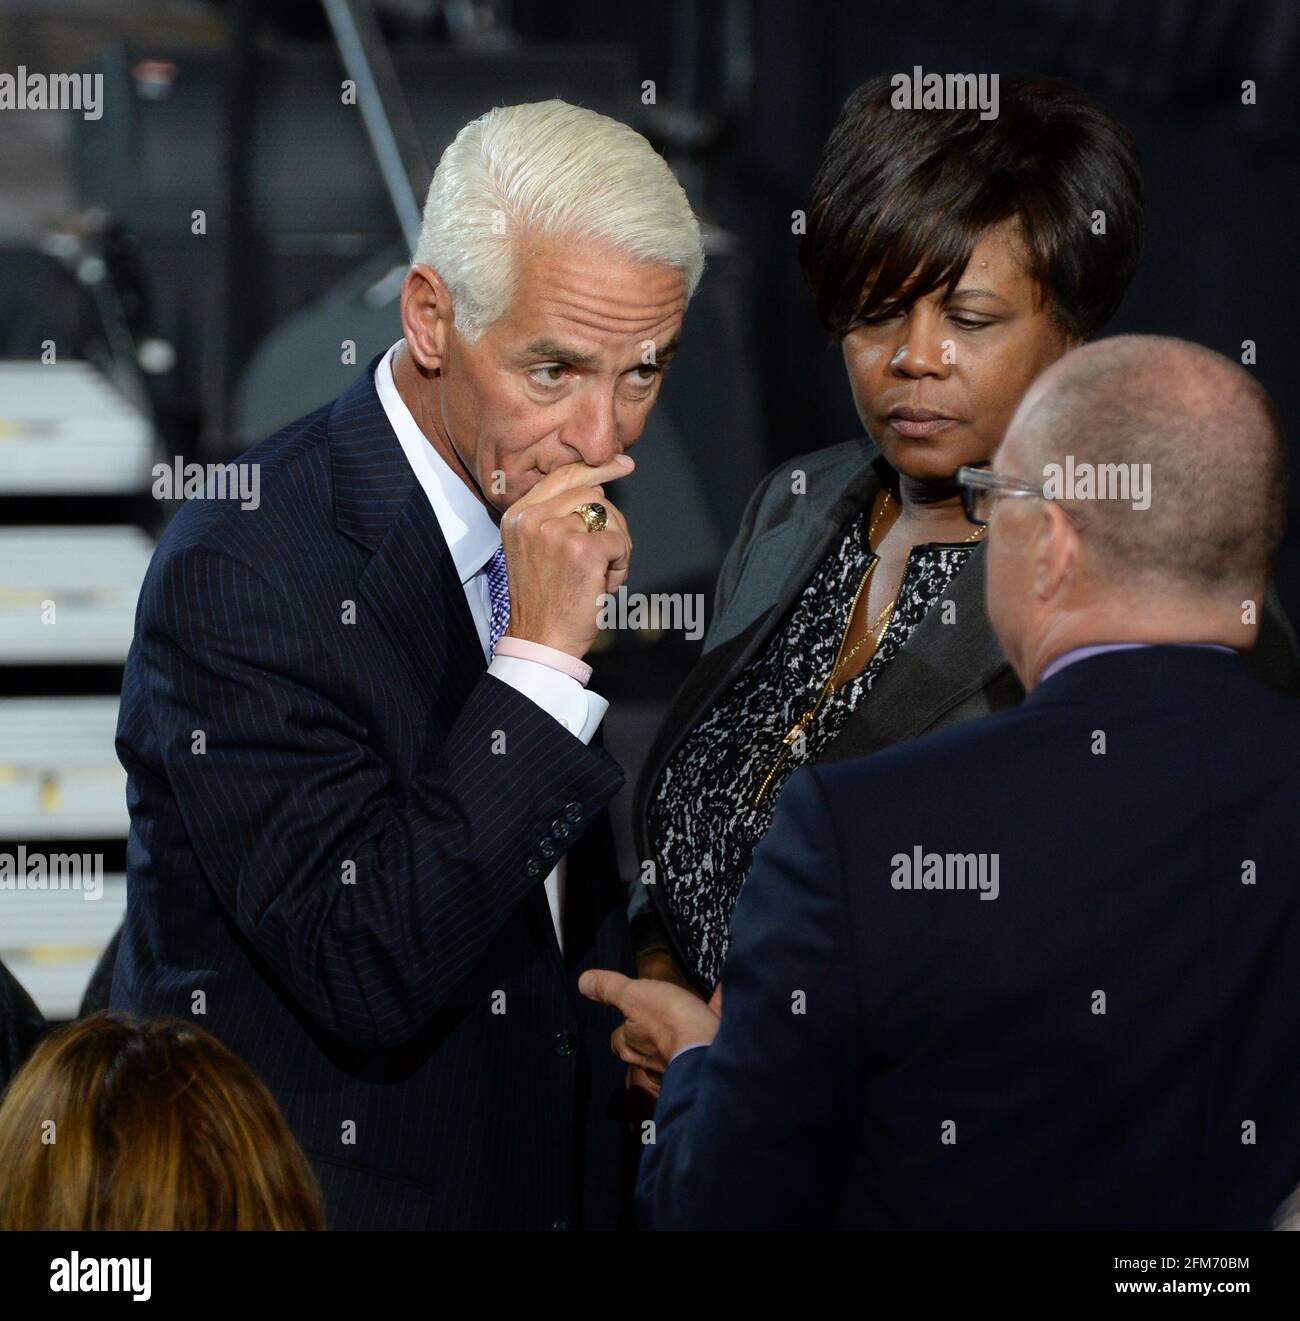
(980, 486)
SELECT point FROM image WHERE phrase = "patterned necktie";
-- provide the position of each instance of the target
(499, 587)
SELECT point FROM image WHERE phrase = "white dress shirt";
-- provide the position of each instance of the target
(473, 536)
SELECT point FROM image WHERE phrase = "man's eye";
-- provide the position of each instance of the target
(970, 323)
(644, 375)
(550, 374)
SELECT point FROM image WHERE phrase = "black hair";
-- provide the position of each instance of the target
(901, 198)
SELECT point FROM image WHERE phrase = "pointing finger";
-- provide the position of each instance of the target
(604, 986)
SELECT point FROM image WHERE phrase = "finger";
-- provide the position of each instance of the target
(614, 581)
(605, 986)
(616, 548)
(567, 503)
(615, 543)
(639, 1047)
(570, 475)
(643, 1079)
(615, 522)
(561, 508)
(617, 569)
(628, 1053)
(623, 560)
(529, 518)
(614, 539)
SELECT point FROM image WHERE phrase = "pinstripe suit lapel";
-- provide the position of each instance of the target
(412, 586)
(411, 582)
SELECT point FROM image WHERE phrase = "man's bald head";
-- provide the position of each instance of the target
(1216, 457)
(1165, 475)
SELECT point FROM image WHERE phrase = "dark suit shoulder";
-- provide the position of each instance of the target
(942, 755)
(847, 457)
(1145, 691)
(825, 470)
(287, 476)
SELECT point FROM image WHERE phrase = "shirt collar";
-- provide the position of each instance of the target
(471, 534)
(1098, 649)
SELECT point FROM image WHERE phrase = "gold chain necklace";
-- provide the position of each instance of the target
(841, 660)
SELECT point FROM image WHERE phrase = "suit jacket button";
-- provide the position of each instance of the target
(533, 870)
(546, 848)
(573, 812)
(566, 1042)
(560, 829)
(562, 1222)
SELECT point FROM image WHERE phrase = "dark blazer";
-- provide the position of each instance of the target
(947, 673)
(929, 1059)
(345, 883)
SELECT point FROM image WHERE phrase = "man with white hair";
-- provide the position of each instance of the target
(1040, 970)
(369, 844)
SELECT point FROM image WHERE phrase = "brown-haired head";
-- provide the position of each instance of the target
(115, 1123)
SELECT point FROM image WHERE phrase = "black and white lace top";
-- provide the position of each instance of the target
(703, 821)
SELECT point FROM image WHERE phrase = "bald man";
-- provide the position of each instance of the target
(1041, 970)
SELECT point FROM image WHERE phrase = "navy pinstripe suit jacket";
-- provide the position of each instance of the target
(340, 826)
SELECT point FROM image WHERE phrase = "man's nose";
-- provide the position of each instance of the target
(593, 428)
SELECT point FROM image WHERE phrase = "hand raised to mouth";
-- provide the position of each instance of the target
(558, 569)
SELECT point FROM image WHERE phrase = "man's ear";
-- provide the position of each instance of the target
(426, 316)
(1055, 551)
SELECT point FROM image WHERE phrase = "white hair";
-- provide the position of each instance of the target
(548, 170)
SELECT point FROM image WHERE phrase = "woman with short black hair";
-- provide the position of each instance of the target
(903, 198)
(954, 259)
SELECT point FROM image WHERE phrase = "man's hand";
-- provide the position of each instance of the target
(660, 1018)
(656, 964)
(557, 569)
